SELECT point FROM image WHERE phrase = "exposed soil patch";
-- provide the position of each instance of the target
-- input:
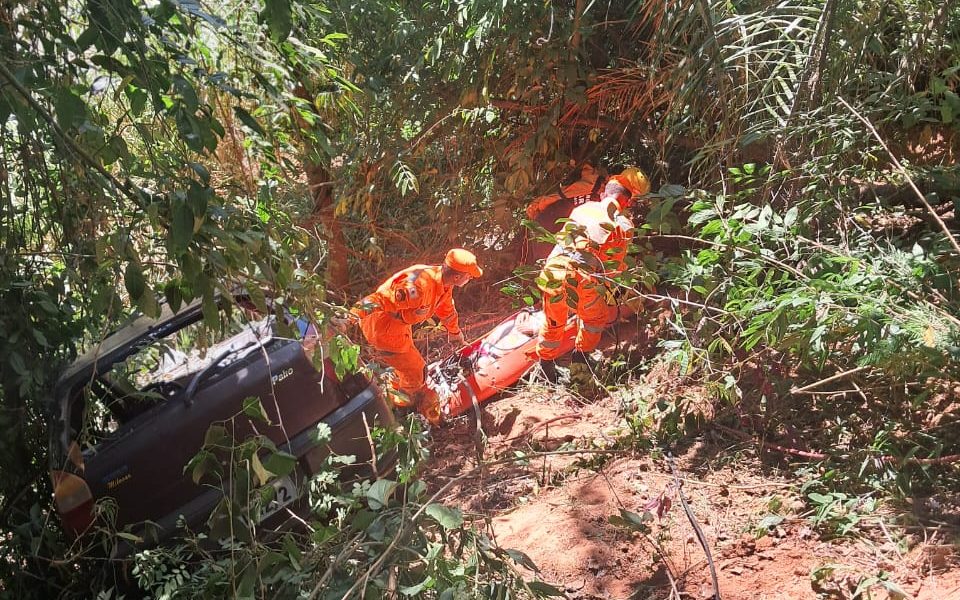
(558, 510)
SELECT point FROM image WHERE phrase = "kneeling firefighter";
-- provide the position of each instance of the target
(406, 298)
(577, 275)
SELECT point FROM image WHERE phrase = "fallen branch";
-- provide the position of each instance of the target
(817, 384)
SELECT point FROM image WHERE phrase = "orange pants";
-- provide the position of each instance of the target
(392, 340)
(565, 285)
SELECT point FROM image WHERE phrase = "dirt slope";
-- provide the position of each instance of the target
(557, 509)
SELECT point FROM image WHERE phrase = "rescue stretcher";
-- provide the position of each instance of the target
(494, 362)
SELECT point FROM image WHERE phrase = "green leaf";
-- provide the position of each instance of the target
(522, 559)
(632, 520)
(181, 227)
(216, 436)
(248, 120)
(363, 519)
(16, 362)
(86, 39)
(134, 280)
(280, 464)
(379, 493)
(147, 303)
(635, 518)
(819, 498)
(895, 591)
(187, 93)
(770, 521)
(211, 312)
(248, 582)
(253, 408)
(279, 18)
(173, 294)
(138, 100)
(41, 339)
(201, 172)
(257, 296)
(545, 590)
(345, 356)
(791, 217)
(71, 109)
(415, 590)
(946, 113)
(129, 537)
(447, 517)
(202, 463)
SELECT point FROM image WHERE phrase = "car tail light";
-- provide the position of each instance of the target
(74, 501)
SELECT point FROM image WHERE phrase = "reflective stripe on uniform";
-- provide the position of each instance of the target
(550, 343)
(592, 328)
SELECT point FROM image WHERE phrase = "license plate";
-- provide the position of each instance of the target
(286, 492)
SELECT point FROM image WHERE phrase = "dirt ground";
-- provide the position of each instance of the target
(558, 511)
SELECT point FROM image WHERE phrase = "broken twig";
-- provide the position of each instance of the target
(701, 537)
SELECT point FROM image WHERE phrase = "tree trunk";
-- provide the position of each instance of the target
(337, 275)
(321, 191)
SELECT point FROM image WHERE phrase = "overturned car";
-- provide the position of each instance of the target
(129, 415)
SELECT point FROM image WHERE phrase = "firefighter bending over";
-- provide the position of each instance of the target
(408, 297)
(577, 275)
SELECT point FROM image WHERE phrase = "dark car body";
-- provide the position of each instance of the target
(156, 420)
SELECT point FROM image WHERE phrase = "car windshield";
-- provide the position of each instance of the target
(160, 371)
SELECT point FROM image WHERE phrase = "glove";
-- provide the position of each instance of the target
(457, 337)
(341, 323)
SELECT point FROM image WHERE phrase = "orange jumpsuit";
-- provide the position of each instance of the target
(387, 316)
(590, 252)
(583, 190)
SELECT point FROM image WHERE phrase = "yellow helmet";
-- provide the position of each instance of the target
(634, 180)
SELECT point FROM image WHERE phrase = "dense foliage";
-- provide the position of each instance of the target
(167, 151)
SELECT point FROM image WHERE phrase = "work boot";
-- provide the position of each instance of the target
(582, 380)
(549, 368)
(398, 399)
(428, 405)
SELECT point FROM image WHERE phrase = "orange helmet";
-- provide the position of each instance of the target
(464, 261)
(634, 180)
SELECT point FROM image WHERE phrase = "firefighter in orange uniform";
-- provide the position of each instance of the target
(408, 297)
(590, 251)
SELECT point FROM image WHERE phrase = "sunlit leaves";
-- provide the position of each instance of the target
(447, 517)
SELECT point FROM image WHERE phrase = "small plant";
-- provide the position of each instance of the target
(838, 513)
(833, 579)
